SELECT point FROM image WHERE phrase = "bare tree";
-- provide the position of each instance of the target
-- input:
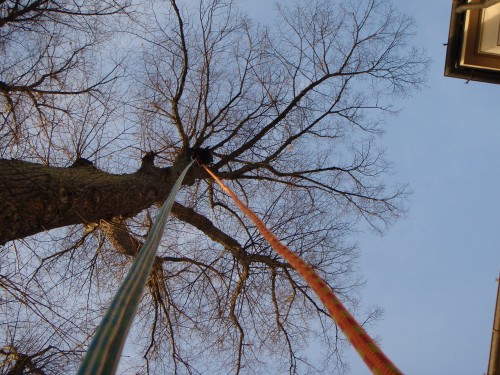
(291, 113)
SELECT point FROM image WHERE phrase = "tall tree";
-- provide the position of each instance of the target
(102, 103)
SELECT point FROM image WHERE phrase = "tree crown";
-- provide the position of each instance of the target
(291, 115)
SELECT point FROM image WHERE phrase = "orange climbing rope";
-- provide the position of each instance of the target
(369, 351)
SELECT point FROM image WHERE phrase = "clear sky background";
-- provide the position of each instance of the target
(434, 272)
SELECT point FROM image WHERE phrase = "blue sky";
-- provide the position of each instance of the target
(434, 272)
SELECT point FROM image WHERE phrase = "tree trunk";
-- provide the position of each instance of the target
(34, 197)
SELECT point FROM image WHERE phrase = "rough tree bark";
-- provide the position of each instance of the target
(35, 198)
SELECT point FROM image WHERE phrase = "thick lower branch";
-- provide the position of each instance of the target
(205, 225)
(119, 235)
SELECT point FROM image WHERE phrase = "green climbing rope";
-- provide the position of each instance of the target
(104, 352)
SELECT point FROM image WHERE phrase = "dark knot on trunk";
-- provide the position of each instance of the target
(82, 162)
(202, 155)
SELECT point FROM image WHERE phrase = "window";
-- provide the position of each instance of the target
(474, 44)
